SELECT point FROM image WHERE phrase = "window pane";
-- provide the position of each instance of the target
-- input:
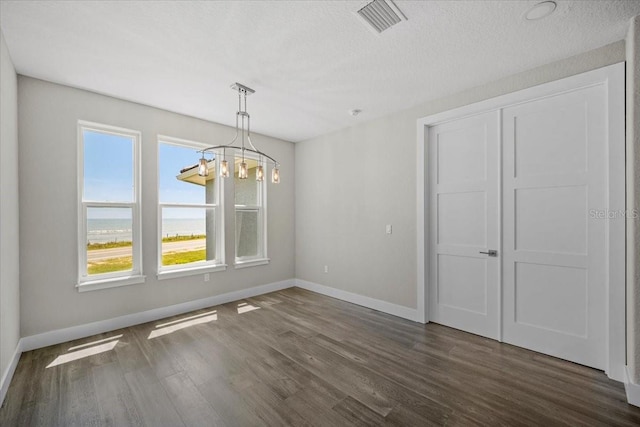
(246, 234)
(246, 189)
(108, 167)
(109, 240)
(179, 179)
(188, 235)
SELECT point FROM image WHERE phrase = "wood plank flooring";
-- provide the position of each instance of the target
(298, 358)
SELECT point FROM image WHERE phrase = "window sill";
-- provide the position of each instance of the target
(251, 263)
(183, 272)
(95, 285)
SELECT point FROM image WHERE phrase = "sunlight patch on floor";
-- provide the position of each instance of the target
(176, 325)
(92, 343)
(243, 307)
(86, 351)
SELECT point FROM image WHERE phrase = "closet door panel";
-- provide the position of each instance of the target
(554, 263)
(464, 166)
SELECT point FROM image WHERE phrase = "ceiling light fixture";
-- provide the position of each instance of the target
(540, 10)
(241, 116)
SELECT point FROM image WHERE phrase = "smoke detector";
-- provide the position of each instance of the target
(540, 11)
(381, 15)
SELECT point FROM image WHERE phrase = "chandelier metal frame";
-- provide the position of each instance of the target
(242, 116)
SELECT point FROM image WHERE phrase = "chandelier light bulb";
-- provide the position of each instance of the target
(203, 167)
(224, 169)
(275, 175)
(243, 172)
(259, 173)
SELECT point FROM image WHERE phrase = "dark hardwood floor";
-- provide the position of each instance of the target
(298, 358)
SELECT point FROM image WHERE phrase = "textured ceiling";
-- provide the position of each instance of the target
(309, 62)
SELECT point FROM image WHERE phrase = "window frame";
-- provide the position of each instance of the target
(88, 282)
(207, 266)
(261, 257)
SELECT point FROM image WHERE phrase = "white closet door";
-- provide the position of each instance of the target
(554, 272)
(464, 208)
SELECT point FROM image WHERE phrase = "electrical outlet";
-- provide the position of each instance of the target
(326, 268)
(206, 277)
(389, 229)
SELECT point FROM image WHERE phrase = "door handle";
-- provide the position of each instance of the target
(490, 252)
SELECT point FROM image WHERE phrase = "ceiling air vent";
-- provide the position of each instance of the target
(381, 14)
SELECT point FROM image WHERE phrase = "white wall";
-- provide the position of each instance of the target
(633, 201)
(48, 201)
(350, 183)
(9, 241)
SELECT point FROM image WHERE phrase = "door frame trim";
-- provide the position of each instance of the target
(613, 78)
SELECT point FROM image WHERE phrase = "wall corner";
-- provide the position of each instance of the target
(632, 45)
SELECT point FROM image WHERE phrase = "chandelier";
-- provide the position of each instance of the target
(242, 116)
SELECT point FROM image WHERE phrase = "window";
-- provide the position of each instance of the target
(190, 211)
(109, 208)
(250, 198)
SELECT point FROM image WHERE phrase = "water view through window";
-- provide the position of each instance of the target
(188, 207)
(108, 200)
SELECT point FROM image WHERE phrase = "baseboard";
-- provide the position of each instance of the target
(81, 331)
(7, 375)
(375, 304)
(632, 390)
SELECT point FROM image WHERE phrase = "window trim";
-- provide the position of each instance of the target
(262, 257)
(85, 281)
(201, 267)
(251, 262)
